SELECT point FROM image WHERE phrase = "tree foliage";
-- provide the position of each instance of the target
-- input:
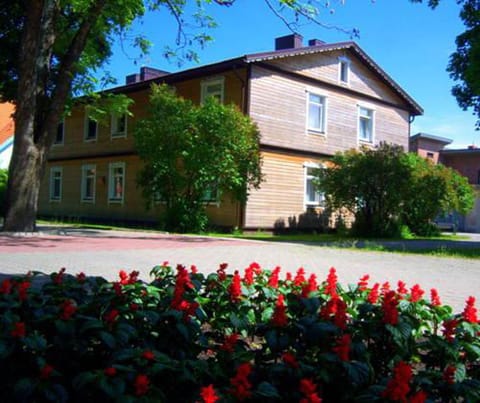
(386, 188)
(3, 190)
(191, 152)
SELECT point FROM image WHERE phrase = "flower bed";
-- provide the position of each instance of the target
(260, 336)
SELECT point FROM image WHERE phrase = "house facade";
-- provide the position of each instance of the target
(308, 102)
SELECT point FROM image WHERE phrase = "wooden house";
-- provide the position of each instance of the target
(308, 102)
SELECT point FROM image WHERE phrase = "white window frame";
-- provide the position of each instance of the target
(319, 196)
(60, 143)
(83, 184)
(114, 132)
(86, 125)
(361, 116)
(204, 87)
(111, 182)
(53, 178)
(323, 124)
(344, 62)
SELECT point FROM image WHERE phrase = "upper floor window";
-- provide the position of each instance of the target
(90, 129)
(344, 70)
(366, 124)
(213, 88)
(317, 108)
(313, 197)
(116, 182)
(60, 133)
(119, 125)
(88, 183)
(56, 178)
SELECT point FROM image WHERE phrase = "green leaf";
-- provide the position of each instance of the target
(267, 390)
(24, 388)
(91, 324)
(35, 342)
(358, 372)
(82, 380)
(108, 339)
(267, 314)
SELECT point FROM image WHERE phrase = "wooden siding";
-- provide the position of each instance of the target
(133, 207)
(278, 104)
(281, 196)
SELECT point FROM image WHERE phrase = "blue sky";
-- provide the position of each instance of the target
(411, 42)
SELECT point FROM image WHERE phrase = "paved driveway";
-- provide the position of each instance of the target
(106, 252)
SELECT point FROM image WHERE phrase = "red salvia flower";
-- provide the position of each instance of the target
(58, 277)
(419, 397)
(449, 328)
(416, 293)
(449, 374)
(241, 387)
(111, 316)
(309, 390)
(342, 348)
(299, 277)
(434, 297)
(374, 294)
(46, 371)
(290, 360)
(279, 317)
(193, 269)
(389, 306)
(208, 394)
(274, 277)
(398, 386)
(331, 288)
(363, 283)
(182, 282)
(235, 288)
(68, 309)
(470, 312)
(22, 290)
(6, 287)
(288, 276)
(248, 278)
(117, 287)
(123, 277)
(310, 286)
(134, 307)
(401, 288)
(81, 277)
(385, 288)
(222, 276)
(148, 355)
(18, 330)
(229, 343)
(335, 309)
(110, 371)
(141, 384)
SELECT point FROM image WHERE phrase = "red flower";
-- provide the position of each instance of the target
(6, 287)
(68, 309)
(363, 283)
(398, 386)
(235, 288)
(374, 294)
(134, 307)
(389, 306)
(279, 317)
(148, 355)
(208, 394)
(117, 287)
(449, 374)
(288, 276)
(449, 328)
(182, 282)
(111, 316)
(123, 277)
(419, 397)
(385, 287)
(248, 278)
(290, 359)
(309, 389)
(141, 384)
(337, 308)
(110, 371)
(309, 287)
(58, 277)
(434, 297)
(46, 371)
(273, 280)
(241, 387)
(18, 330)
(193, 269)
(416, 293)
(81, 277)
(401, 289)
(229, 343)
(342, 348)
(222, 276)
(470, 312)
(299, 277)
(22, 290)
(331, 288)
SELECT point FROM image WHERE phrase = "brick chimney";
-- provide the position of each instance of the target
(315, 42)
(293, 41)
(146, 73)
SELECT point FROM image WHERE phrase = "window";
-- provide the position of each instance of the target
(344, 70)
(116, 182)
(88, 184)
(316, 112)
(366, 124)
(212, 88)
(430, 155)
(478, 177)
(90, 129)
(210, 194)
(312, 196)
(56, 174)
(119, 125)
(60, 134)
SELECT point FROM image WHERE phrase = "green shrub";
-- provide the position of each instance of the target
(187, 337)
(3, 190)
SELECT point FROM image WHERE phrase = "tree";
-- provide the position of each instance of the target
(464, 64)
(3, 190)
(385, 188)
(51, 50)
(195, 154)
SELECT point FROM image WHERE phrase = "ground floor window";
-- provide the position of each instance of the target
(116, 182)
(88, 183)
(56, 177)
(313, 197)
